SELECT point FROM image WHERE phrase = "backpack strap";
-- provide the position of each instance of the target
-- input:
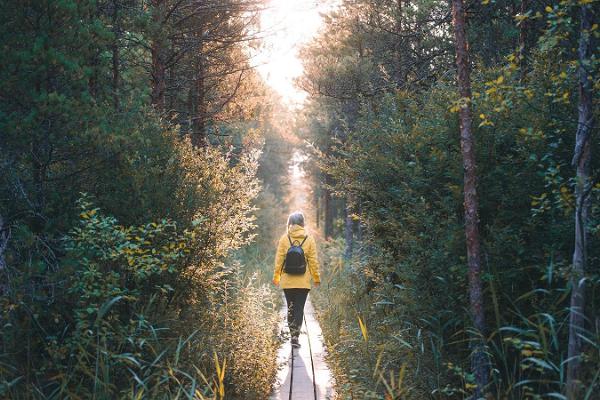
(295, 241)
(305, 237)
(307, 263)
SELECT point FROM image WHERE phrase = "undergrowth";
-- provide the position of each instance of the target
(128, 333)
(378, 349)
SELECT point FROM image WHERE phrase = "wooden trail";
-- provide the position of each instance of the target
(303, 373)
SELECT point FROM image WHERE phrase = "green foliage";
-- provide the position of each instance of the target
(114, 334)
(129, 291)
(117, 276)
(401, 163)
(395, 158)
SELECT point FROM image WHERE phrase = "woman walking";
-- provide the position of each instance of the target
(296, 264)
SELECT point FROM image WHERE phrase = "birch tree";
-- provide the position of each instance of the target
(581, 161)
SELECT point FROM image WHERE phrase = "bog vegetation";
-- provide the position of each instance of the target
(453, 172)
(436, 290)
(130, 179)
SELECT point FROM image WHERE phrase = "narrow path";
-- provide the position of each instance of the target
(311, 354)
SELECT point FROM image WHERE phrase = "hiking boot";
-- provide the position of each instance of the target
(295, 342)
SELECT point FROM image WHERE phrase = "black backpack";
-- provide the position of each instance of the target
(295, 262)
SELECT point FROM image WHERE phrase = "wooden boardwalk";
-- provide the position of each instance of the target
(305, 384)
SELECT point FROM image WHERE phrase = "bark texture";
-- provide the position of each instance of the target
(200, 110)
(327, 207)
(158, 73)
(3, 244)
(479, 361)
(328, 213)
(523, 31)
(116, 59)
(348, 232)
(317, 206)
(4, 238)
(399, 47)
(581, 160)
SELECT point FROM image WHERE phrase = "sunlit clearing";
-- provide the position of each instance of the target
(288, 24)
(300, 191)
(296, 170)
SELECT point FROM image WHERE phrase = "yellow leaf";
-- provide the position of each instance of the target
(548, 9)
(482, 116)
(486, 122)
(363, 329)
(521, 17)
(485, 2)
(500, 79)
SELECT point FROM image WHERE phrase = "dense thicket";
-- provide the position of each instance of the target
(384, 121)
(129, 151)
(136, 135)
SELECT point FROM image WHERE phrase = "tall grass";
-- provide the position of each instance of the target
(380, 350)
(138, 322)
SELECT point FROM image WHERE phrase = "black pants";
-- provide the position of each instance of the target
(295, 299)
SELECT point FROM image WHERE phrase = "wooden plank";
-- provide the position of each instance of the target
(302, 388)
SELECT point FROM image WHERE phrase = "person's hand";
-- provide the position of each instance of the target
(276, 283)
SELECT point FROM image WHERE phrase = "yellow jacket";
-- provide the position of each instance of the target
(297, 232)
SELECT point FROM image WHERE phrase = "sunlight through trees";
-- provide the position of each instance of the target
(444, 153)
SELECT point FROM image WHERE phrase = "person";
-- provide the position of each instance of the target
(296, 287)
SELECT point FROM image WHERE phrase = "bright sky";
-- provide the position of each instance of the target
(289, 24)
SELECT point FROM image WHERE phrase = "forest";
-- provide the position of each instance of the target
(445, 154)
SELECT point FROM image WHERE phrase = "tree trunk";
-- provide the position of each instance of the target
(93, 84)
(479, 361)
(200, 106)
(199, 118)
(158, 73)
(328, 213)
(359, 227)
(348, 231)
(317, 206)
(398, 45)
(523, 30)
(4, 237)
(581, 160)
(116, 61)
(158, 78)
(3, 244)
